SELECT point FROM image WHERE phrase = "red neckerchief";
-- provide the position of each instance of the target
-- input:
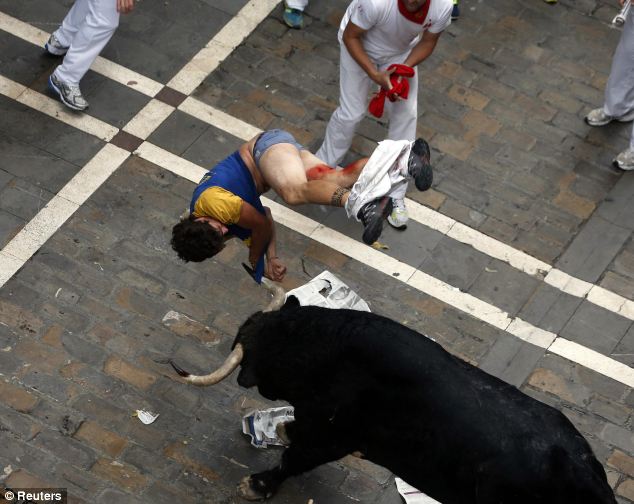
(416, 17)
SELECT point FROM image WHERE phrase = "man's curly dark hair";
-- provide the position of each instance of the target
(196, 241)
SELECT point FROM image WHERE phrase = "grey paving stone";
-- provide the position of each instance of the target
(549, 308)
(22, 61)
(10, 225)
(22, 199)
(593, 249)
(46, 133)
(504, 287)
(110, 101)
(211, 147)
(455, 263)
(511, 359)
(624, 351)
(617, 207)
(178, 132)
(596, 328)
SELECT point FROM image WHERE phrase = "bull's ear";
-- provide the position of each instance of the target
(291, 302)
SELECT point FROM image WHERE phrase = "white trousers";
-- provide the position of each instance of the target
(619, 91)
(297, 4)
(86, 30)
(354, 88)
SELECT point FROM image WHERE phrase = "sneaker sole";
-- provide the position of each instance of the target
(616, 164)
(372, 232)
(425, 179)
(597, 123)
(626, 118)
(401, 227)
(56, 90)
(53, 52)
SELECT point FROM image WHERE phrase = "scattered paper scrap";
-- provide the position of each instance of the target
(261, 425)
(147, 417)
(380, 246)
(328, 291)
(412, 495)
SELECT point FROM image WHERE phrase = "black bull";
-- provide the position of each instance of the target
(360, 382)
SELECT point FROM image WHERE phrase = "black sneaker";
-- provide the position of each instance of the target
(372, 215)
(418, 165)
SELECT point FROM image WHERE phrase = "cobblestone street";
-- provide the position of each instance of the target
(520, 259)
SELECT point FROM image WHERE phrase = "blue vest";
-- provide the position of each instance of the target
(234, 176)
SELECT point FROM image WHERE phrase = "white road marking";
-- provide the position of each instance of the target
(148, 119)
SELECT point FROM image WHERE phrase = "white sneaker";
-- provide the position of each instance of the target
(625, 160)
(54, 46)
(398, 217)
(598, 117)
(69, 94)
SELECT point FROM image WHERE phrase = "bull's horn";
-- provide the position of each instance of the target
(278, 295)
(228, 366)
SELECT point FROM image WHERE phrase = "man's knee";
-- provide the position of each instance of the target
(292, 195)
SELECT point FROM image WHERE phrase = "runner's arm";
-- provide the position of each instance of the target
(261, 231)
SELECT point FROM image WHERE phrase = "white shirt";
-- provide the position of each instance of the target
(389, 33)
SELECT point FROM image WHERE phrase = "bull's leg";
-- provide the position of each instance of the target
(307, 451)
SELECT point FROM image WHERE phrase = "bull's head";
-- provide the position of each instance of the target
(235, 357)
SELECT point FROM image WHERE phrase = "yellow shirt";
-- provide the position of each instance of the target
(219, 204)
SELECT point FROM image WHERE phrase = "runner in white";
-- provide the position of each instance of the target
(373, 35)
(619, 91)
(85, 31)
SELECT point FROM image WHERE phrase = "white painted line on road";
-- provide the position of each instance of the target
(113, 71)
(148, 119)
(593, 360)
(218, 119)
(170, 162)
(92, 176)
(40, 228)
(11, 89)
(494, 248)
(568, 284)
(9, 266)
(610, 301)
(225, 41)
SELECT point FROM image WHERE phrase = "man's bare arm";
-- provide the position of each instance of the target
(423, 49)
(261, 231)
(352, 38)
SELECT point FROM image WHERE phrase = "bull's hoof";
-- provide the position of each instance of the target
(247, 491)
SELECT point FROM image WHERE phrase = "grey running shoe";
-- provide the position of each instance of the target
(598, 117)
(625, 160)
(69, 94)
(419, 166)
(372, 215)
(399, 217)
(54, 46)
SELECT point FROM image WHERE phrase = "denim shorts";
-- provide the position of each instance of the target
(273, 137)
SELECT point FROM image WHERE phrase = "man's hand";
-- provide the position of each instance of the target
(274, 269)
(125, 6)
(382, 78)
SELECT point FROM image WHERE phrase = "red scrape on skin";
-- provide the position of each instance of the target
(317, 172)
